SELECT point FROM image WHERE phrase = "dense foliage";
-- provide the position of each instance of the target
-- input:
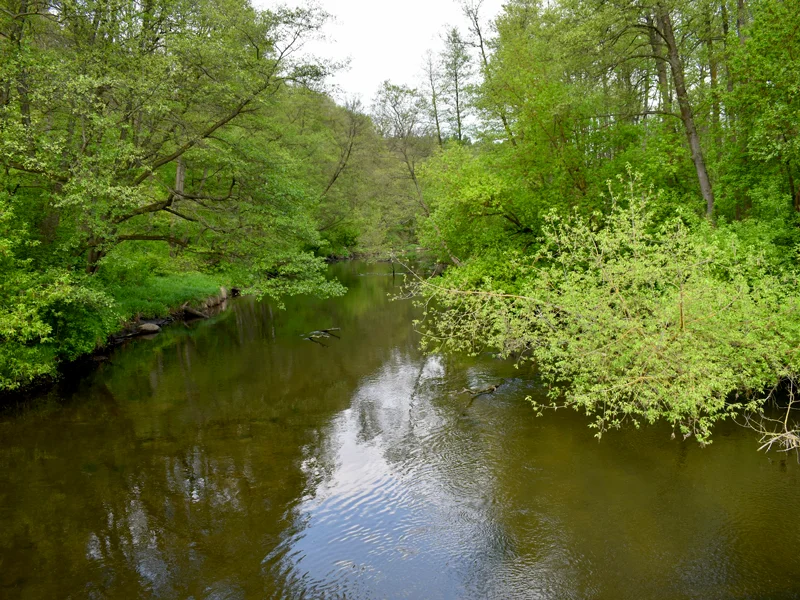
(631, 319)
(674, 298)
(152, 151)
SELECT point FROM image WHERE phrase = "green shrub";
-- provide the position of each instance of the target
(340, 241)
(630, 320)
(51, 316)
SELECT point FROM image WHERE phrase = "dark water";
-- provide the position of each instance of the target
(236, 460)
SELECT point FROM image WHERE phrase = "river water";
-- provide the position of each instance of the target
(234, 459)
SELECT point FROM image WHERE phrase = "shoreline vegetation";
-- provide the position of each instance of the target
(156, 300)
(614, 189)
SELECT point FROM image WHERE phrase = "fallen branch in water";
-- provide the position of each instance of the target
(193, 312)
(781, 433)
(322, 333)
(475, 393)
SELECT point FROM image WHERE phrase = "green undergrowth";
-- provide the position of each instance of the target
(66, 317)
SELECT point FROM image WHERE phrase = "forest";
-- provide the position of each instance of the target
(610, 189)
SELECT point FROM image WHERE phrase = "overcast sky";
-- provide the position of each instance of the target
(384, 39)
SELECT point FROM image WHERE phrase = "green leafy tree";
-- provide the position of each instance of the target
(401, 116)
(629, 319)
(139, 123)
(456, 71)
(155, 138)
(766, 99)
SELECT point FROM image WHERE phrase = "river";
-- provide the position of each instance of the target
(232, 458)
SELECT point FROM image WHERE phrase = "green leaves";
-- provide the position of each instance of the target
(768, 95)
(632, 307)
(156, 138)
(34, 305)
(631, 320)
(473, 206)
(141, 120)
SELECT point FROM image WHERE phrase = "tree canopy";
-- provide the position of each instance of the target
(671, 295)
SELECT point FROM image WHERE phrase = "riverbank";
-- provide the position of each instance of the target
(128, 303)
(80, 335)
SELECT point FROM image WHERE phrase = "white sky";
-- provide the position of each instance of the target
(384, 39)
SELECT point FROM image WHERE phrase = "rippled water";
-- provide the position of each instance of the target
(234, 459)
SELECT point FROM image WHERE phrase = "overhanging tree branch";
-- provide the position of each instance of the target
(239, 109)
(155, 238)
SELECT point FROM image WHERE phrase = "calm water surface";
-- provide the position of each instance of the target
(233, 459)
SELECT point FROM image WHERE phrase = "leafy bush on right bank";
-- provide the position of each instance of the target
(630, 319)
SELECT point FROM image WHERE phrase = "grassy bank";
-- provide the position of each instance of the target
(156, 296)
(79, 320)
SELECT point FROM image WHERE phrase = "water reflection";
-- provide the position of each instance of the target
(387, 507)
(234, 459)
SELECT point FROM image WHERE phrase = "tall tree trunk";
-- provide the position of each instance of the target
(17, 36)
(472, 11)
(457, 91)
(431, 73)
(687, 115)
(436, 120)
(456, 65)
(741, 19)
(792, 189)
(93, 260)
(725, 31)
(713, 70)
(661, 68)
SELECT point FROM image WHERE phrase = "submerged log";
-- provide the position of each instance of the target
(475, 393)
(188, 310)
(322, 333)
